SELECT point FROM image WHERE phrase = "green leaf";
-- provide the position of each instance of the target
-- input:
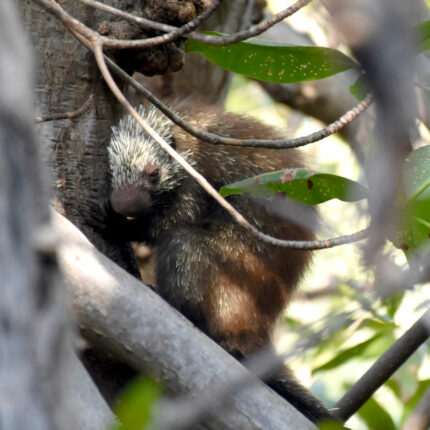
(300, 184)
(414, 231)
(423, 34)
(359, 88)
(375, 416)
(393, 303)
(395, 387)
(381, 326)
(403, 237)
(416, 177)
(354, 352)
(274, 62)
(134, 408)
(331, 425)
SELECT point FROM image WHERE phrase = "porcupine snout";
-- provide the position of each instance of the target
(130, 200)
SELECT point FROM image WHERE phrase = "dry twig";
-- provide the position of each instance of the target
(78, 28)
(173, 32)
(66, 115)
(213, 40)
(95, 44)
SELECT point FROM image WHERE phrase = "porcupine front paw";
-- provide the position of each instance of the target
(104, 219)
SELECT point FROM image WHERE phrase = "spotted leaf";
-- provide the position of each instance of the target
(274, 62)
(300, 184)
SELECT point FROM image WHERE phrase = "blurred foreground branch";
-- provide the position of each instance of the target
(42, 384)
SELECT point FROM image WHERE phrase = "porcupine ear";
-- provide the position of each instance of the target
(173, 143)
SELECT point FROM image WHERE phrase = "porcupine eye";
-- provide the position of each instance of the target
(173, 143)
(152, 172)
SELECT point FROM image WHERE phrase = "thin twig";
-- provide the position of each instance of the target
(382, 369)
(173, 34)
(98, 52)
(96, 45)
(75, 26)
(186, 411)
(135, 44)
(216, 139)
(293, 244)
(213, 40)
(67, 115)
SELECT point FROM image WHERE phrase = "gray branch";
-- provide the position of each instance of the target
(128, 319)
(42, 385)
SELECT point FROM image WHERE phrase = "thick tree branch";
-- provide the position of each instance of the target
(128, 319)
(91, 412)
(79, 162)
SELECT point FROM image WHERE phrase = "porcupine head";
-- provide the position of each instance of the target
(142, 171)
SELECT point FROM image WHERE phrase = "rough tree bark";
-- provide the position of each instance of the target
(29, 296)
(42, 385)
(199, 78)
(66, 77)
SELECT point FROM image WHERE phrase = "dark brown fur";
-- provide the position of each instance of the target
(231, 285)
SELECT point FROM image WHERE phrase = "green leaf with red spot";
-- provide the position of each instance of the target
(273, 61)
(301, 184)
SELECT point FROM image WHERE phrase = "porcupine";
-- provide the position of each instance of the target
(219, 275)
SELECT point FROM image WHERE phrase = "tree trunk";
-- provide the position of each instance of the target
(66, 77)
(199, 78)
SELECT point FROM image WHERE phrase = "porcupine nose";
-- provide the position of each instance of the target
(130, 200)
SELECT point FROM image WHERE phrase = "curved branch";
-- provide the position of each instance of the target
(206, 38)
(216, 139)
(313, 245)
(65, 18)
(173, 32)
(238, 217)
(96, 45)
(66, 115)
(76, 27)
